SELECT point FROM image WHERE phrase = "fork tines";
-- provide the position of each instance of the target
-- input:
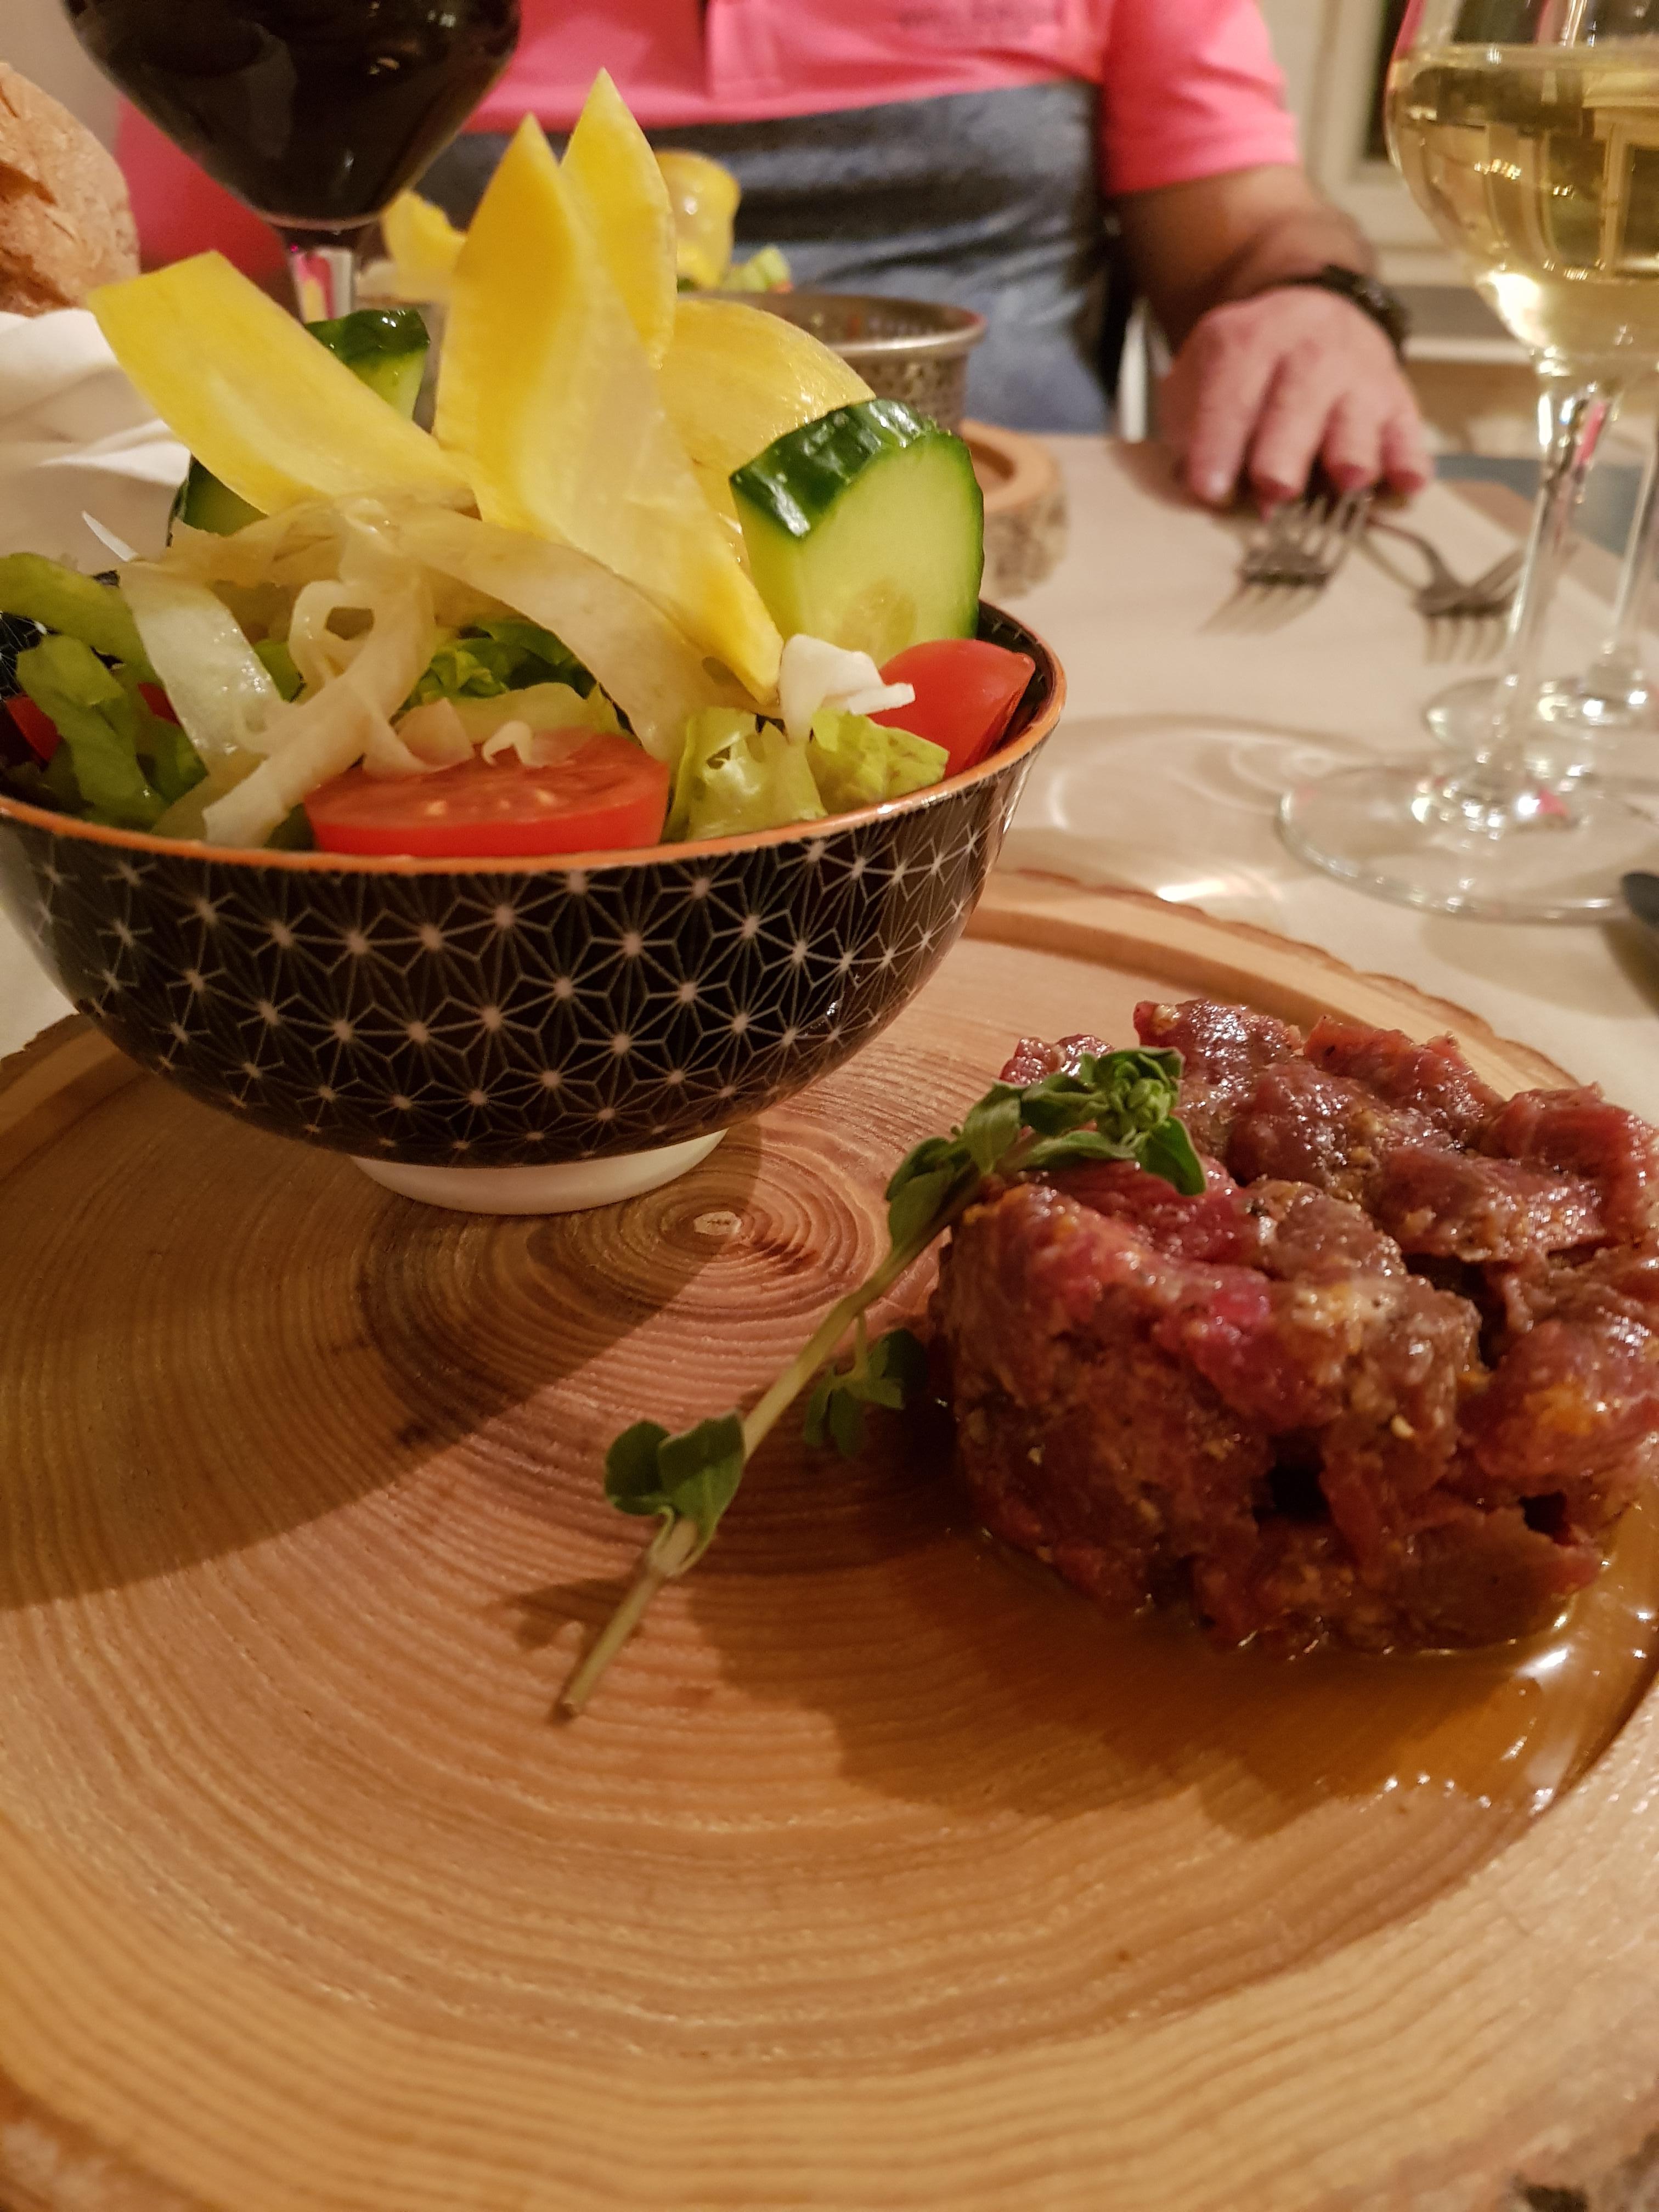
(1293, 558)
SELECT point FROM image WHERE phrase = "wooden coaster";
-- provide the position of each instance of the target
(883, 1872)
(1025, 518)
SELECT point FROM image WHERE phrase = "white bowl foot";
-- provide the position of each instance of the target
(561, 1186)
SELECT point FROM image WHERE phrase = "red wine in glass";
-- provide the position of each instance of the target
(317, 112)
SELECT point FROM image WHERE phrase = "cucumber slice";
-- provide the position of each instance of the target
(867, 528)
(206, 504)
(384, 348)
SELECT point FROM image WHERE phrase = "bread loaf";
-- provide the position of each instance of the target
(65, 221)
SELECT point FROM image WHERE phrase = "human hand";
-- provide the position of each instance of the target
(1269, 385)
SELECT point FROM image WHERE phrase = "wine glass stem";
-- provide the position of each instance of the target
(1574, 417)
(324, 267)
(1619, 670)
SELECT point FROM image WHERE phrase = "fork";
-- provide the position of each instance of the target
(1445, 595)
(1292, 559)
(1468, 609)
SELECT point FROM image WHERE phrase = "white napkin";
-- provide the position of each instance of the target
(76, 439)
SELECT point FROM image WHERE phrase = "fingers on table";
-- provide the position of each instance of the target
(1231, 374)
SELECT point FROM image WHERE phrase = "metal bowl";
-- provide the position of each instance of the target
(915, 350)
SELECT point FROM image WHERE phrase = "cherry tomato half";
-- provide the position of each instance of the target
(34, 725)
(607, 794)
(966, 693)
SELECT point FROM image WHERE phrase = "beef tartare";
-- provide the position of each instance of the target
(1391, 1380)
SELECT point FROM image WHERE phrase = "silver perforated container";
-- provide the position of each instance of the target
(915, 350)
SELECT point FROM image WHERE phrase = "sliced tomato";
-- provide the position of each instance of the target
(158, 701)
(966, 693)
(36, 727)
(607, 794)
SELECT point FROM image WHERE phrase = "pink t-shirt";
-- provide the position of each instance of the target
(1189, 88)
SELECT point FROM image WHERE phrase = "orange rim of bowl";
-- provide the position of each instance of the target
(996, 764)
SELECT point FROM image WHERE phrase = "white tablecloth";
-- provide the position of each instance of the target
(1179, 737)
(1178, 740)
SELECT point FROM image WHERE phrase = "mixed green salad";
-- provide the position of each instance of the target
(381, 672)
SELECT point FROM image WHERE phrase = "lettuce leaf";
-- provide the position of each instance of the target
(165, 752)
(856, 763)
(279, 665)
(737, 774)
(77, 606)
(99, 725)
(506, 654)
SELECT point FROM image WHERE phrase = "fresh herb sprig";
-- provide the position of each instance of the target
(1117, 1106)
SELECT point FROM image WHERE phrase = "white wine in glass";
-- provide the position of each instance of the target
(1541, 165)
(1528, 131)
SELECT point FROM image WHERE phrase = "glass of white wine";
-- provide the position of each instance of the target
(1528, 131)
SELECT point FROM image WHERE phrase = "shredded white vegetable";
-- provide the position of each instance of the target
(535, 748)
(814, 673)
(220, 689)
(437, 735)
(349, 719)
(654, 673)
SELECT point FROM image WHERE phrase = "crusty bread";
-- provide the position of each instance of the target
(65, 221)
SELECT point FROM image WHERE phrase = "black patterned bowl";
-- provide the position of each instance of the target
(585, 1027)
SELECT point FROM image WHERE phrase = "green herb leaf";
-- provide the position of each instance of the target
(633, 1479)
(923, 1187)
(1169, 1152)
(887, 1373)
(845, 1421)
(816, 1426)
(991, 1126)
(1078, 1145)
(898, 1370)
(692, 1477)
(701, 1471)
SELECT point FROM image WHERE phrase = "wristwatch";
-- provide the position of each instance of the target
(1386, 308)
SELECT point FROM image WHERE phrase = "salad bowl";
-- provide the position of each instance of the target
(518, 1035)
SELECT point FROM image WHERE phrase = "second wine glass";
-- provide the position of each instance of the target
(1528, 130)
(1581, 723)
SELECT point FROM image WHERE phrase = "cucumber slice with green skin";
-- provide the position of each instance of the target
(867, 528)
(384, 348)
(206, 504)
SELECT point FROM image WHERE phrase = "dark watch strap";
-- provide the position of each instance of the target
(1386, 308)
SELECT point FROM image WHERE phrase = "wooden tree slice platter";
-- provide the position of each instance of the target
(883, 1872)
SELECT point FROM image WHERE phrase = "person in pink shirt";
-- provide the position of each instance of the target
(986, 152)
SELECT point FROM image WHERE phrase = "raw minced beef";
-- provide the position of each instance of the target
(1391, 1380)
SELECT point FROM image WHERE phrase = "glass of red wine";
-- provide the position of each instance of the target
(317, 112)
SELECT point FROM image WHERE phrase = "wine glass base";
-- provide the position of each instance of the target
(1384, 830)
(1578, 728)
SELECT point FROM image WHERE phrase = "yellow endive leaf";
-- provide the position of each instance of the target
(550, 403)
(736, 378)
(424, 246)
(704, 198)
(614, 174)
(254, 395)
